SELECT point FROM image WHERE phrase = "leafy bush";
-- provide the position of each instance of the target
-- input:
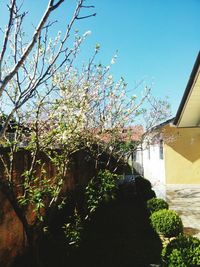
(183, 251)
(73, 230)
(144, 188)
(101, 189)
(155, 204)
(167, 223)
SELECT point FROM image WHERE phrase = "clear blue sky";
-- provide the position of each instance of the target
(156, 40)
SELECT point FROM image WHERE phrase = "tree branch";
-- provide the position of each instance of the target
(30, 46)
(9, 26)
(88, 16)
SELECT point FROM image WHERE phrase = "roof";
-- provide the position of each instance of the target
(157, 127)
(188, 114)
(132, 133)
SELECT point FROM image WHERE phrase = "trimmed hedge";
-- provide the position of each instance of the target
(156, 204)
(183, 251)
(144, 188)
(167, 223)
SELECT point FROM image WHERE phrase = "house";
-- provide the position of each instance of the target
(170, 153)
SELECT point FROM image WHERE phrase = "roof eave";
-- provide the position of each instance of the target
(187, 90)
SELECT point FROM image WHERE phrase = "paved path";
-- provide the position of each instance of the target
(185, 199)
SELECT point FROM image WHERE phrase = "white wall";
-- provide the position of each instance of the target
(152, 168)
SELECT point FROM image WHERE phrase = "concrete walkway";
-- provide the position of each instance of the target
(185, 199)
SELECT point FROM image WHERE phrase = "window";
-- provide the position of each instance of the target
(161, 149)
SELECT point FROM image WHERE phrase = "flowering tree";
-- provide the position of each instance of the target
(28, 64)
(28, 68)
(85, 110)
(54, 111)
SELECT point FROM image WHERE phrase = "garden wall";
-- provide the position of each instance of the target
(12, 236)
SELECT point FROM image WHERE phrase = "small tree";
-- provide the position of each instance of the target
(28, 71)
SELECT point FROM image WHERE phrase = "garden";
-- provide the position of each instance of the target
(67, 130)
(123, 224)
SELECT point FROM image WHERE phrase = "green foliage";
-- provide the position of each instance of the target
(167, 223)
(155, 204)
(101, 189)
(183, 251)
(37, 190)
(125, 146)
(144, 188)
(73, 230)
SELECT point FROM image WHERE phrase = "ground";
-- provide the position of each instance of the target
(185, 199)
(120, 236)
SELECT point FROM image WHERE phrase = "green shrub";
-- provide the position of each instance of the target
(155, 204)
(101, 189)
(73, 230)
(167, 223)
(144, 188)
(183, 251)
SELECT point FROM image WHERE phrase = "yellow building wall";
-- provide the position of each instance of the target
(182, 155)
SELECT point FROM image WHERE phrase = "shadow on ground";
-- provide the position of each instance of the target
(119, 235)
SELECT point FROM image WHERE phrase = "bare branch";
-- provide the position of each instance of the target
(88, 16)
(30, 46)
(87, 6)
(8, 29)
(54, 6)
